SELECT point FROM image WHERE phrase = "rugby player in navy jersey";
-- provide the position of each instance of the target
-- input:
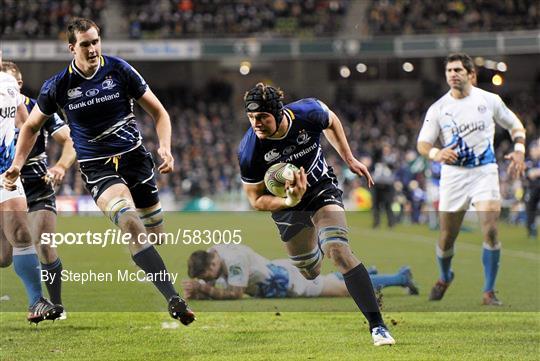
(95, 93)
(38, 182)
(311, 220)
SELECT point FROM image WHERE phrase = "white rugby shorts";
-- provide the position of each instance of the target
(460, 186)
(299, 286)
(6, 195)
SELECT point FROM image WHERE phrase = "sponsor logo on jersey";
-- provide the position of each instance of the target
(468, 128)
(94, 191)
(74, 93)
(289, 149)
(271, 155)
(8, 112)
(482, 108)
(303, 137)
(108, 84)
(91, 92)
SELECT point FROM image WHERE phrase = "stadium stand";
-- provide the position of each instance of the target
(397, 17)
(45, 19)
(188, 18)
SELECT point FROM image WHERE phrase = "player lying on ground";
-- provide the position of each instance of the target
(311, 220)
(38, 182)
(13, 216)
(237, 270)
(463, 120)
(96, 94)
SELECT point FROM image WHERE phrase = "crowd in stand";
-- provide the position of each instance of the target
(397, 17)
(45, 19)
(205, 18)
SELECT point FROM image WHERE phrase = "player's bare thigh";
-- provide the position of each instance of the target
(488, 215)
(43, 221)
(6, 251)
(14, 222)
(333, 215)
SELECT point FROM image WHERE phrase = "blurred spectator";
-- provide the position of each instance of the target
(383, 190)
(209, 18)
(397, 17)
(533, 188)
(45, 19)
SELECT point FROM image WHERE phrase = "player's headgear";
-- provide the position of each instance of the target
(266, 99)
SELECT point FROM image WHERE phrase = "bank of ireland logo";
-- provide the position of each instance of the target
(108, 84)
(271, 155)
(303, 137)
(74, 93)
(91, 92)
(482, 108)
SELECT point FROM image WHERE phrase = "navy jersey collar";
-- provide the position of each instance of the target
(73, 68)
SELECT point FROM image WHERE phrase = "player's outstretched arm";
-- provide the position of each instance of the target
(262, 201)
(516, 168)
(336, 136)
(27, 137)
(56, 174)
(151, 105)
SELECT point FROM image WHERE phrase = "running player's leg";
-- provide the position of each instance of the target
(116, 202)
(304, 252)
(332, 229)
(14, 223)
(44, 221)
(450, 224)
(6, 251)
(488, 214)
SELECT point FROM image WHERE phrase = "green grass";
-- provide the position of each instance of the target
(456, 328)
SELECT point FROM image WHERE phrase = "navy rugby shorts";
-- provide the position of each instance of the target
(39, 194)
(292, 220)
(135, 169)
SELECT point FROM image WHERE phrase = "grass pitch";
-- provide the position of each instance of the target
(128, 321)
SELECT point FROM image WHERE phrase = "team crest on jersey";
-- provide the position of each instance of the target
(11, 92)
(91, 92)
(74, 93)
(271, 155)
(303, 137)
(108, 84)
(289, 149)
(482, 108)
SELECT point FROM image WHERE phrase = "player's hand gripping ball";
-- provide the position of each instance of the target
(277, 175)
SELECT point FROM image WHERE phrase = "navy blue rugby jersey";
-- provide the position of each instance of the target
(300, 145)
(36, 164)
(98, 109)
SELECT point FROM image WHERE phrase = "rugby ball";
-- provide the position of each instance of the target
(276, 176)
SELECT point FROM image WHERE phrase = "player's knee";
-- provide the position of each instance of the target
(47, 254)
(340, 254)
(309, 264)
(152, 216)
(5, 260)
(120, 207)
(332, 235)
(491, 235)
(22, 237)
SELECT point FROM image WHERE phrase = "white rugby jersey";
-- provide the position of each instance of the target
(248, 269)
(468, 123)
(10, 99)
